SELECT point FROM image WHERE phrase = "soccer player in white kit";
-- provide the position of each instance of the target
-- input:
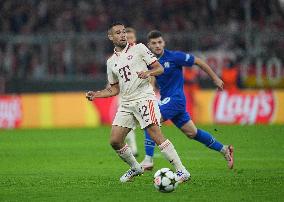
(131, 137)
(129, 77)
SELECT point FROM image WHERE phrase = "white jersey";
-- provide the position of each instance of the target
(122, 68)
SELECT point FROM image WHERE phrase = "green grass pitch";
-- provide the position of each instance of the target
(79, 165)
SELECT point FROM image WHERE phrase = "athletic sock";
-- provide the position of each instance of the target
(169, 152)
(208, 140)
(149, 144)
(126, 155)
(131, 140)
(148, 158)
(224, 148)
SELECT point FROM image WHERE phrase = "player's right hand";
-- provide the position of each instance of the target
(90, 95)
(219, 83)
(143, 75)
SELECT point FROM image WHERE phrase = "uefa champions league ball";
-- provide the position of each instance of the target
(165, 180)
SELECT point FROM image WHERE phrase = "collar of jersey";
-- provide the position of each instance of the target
(123, 51)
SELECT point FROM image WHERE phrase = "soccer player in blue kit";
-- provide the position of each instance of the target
(173, 103)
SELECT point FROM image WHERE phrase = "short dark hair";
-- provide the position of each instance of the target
(154, 34)
(114, 24)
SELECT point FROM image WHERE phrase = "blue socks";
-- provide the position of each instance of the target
(149, 144)
(208, 140)
(202, 136)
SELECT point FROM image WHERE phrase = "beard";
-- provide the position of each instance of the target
(121, 45)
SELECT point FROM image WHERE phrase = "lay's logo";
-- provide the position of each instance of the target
(244, 107)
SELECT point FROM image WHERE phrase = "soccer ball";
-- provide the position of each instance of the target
(165, 180)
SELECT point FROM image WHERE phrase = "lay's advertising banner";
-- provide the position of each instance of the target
(242, 107)
(245, 107)
(51, 110)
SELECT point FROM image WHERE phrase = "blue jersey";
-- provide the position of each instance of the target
(173, 103)
(171, 81)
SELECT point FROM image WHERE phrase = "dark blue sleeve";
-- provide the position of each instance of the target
(184, 59)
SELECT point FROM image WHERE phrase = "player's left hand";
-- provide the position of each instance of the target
(219, 83)
(143, 75)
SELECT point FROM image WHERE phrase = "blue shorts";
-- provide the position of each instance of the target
(174, 110)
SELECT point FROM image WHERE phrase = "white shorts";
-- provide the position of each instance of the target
(146, 112)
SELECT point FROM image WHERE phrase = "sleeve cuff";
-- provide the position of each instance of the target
(153, 62)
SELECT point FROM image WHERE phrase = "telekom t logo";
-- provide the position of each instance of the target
(125, 72)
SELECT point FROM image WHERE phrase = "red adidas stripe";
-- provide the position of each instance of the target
(152, 112)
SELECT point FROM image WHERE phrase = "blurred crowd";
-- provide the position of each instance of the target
(43, 16)
(85, 57)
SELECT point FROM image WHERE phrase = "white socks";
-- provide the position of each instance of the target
(126, 155)
(223, 150)
(148, 158)
(168, 150)
(131, 141)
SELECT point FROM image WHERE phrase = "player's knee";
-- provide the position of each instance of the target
(189, 130)
(191, 134)
(152, 129)
(116, 144)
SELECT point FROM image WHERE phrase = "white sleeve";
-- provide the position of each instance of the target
(112, 78)
(146, 54)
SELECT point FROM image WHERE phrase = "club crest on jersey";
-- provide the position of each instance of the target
(166, 64)
(129, 57)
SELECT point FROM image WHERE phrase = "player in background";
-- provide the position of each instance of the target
(128, 76)
(173, 103)
(131, 35)
(131, 137)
